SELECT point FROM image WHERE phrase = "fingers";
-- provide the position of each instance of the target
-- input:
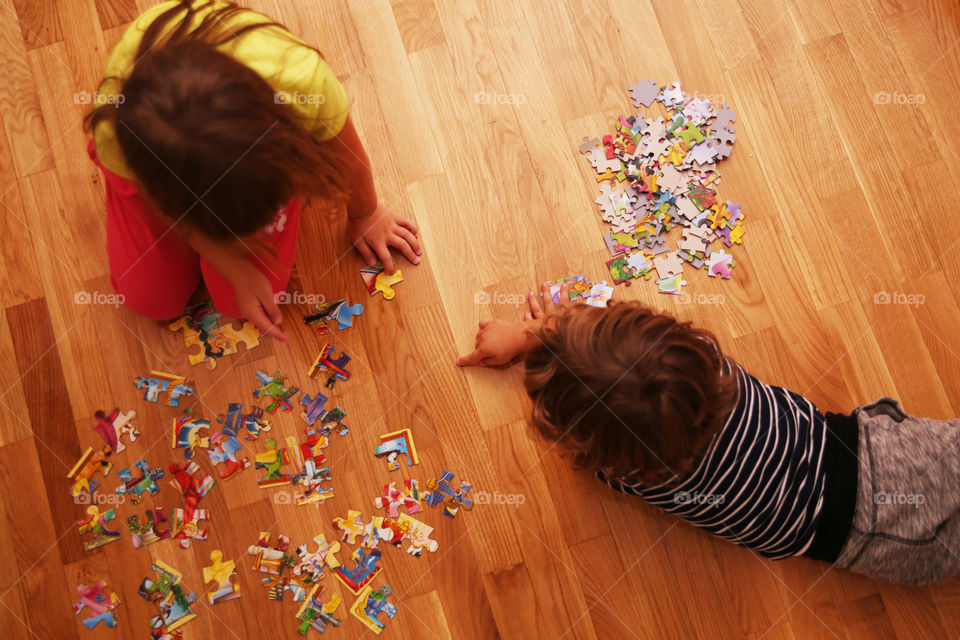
(474, 359)
(536, 306)
(383, 252)
(484, 323)
(407, 244)
(546, 297)
(564, 294)
(410, 226)
(365, 252)
(267, 327)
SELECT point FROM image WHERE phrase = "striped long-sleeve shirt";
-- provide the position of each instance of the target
(761, 481)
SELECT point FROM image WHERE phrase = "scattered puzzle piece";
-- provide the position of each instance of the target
(201, 329)
(272, 461)
(168, 594)
(407, 494)
(142, 535)
(720, 264)
(220, 573)
(340, 311)
(160, 382)
(144, 482)
(99, 605)
(235, 420)
(370, 604)
(440, 491)
(376, 279)
(366, 569)
(274, 387)
(315, 615)
(392, 445)
(186, 433)
(96, 524)
(350, 527)
(114, 426)
(644, 93)
(224, 450)
(89, 464)
(336, 368)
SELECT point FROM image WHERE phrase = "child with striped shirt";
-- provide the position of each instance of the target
(653, 407)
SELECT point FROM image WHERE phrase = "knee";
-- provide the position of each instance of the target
(153, 302)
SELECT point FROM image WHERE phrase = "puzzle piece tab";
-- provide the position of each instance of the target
(377, 279)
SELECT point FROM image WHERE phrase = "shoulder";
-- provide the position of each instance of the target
(299, 75)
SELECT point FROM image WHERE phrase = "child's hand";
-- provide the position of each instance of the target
(257, 304)
(374, 234)
(499, 341)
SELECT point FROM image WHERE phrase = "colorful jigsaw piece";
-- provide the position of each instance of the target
(377, 279)
(392, 445)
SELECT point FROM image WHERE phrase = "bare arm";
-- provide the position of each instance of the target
(372, 227)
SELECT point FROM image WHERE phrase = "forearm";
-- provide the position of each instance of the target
(363, 193)
(228, 258)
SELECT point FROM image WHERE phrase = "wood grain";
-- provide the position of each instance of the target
(472, 112)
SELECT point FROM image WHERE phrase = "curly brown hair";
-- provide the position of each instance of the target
(628, 392)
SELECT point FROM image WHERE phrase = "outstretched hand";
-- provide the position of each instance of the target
(499, 342)
(374, 234)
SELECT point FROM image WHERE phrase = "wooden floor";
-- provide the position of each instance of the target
(472, 112)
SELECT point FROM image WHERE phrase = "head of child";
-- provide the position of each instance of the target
(627, 391)
(206, 137)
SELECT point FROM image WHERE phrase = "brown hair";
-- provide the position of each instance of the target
(205, 135)
(626, 391)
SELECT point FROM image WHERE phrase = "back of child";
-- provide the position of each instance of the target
(653, 408)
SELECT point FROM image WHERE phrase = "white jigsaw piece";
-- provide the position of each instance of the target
(605, 202)
(686, 208)
(695, 239)
(698, 111)
(638, 261)
(644, 93)
(673, 179)
(623, 224)
(668, 265)
(672, 96)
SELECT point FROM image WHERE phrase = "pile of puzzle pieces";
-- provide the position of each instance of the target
(289, 575)
(658, 174)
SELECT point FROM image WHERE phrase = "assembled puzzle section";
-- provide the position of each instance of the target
(659, 174)
(209, 340)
